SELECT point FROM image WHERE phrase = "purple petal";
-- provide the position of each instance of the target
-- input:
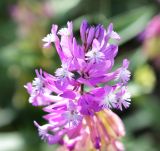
(83, 29)
(68, 94)
(90, 36)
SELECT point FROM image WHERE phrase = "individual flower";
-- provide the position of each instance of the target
(124, 98)
(66, 31)
(46, 133)
(50, 38)
(78, 98)
(124, 74)
(38, 91)
(109, 101)
(95, 54)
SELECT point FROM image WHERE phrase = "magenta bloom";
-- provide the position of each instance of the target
(78, 99)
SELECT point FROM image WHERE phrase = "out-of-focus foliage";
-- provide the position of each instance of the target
(22, 26)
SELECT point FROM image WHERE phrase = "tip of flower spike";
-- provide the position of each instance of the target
(70, 25)
(112, 33)
(54, 29)
(28, 87)
(38, 73)
(83, 28)
(84, 22)
(110, 27)
(36, 124)
(125, 63)
(66, 31)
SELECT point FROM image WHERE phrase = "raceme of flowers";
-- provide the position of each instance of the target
(79, 97)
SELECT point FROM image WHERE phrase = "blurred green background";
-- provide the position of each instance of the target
(23, 23)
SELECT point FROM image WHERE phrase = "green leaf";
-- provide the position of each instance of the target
(130, 24)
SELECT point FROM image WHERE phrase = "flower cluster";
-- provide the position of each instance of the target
(79, 96)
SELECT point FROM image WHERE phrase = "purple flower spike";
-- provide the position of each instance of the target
(78, 98)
